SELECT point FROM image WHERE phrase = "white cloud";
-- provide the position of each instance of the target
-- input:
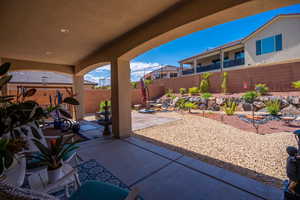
(138, 70)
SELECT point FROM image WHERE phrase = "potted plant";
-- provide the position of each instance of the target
(52, 155)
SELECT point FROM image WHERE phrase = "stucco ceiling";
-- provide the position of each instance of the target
(65, 31)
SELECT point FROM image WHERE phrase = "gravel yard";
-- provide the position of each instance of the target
(261, 157)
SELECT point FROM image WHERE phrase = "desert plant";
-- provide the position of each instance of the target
(169, 92)
(180, 104)
(230, 107)
(250, 96)
(261, 89)
(206, 95)
(182, 91)
(296, 84)
(52, 155)
(148, 82)
(103, 104)
(190, 105)
(134, 85)
(193, 91)
(273, 107)
(224, 82)
(204, 83)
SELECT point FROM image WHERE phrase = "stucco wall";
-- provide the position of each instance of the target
(289, 27)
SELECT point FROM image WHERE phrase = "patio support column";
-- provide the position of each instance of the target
(121, 98)
(222, 59)
(4, 89)
(195, 65)
(78, 88)
(181, 69)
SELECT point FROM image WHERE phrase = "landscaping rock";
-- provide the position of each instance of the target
(259, 105)
(174, 101)
(195, 99)
(203, 107)
(247, 107)
(284, 103)
(295, 100)
(290, 110)
(220, 100)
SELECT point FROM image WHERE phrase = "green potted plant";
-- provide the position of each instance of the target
(182, 91)
(52, 155)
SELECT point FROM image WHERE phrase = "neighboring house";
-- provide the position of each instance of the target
(38, 78)
(167, 71)
(276, 41)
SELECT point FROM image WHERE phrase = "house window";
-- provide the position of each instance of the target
(239, 55)
(216, 61)
(269, 44)
(173, 75)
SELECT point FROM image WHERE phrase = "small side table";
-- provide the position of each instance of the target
(39, 181)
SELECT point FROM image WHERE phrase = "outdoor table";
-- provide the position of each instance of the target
(39, 181)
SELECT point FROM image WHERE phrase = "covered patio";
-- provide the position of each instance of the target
(75, 37)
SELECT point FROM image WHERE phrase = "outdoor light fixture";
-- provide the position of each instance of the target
(44, 80)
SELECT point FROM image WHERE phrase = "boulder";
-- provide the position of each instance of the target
(290, 110)
(294, 100)
(259, 105)
(195, 99)
(203, 107)
(284, 103)
(220, 100)
(247, 107)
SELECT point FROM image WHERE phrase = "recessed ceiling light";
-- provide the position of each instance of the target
(48, 53)
(64, 30)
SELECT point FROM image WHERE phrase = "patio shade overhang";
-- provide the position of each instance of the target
(77, 36)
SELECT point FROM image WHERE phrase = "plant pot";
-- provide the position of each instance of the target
(55, 174)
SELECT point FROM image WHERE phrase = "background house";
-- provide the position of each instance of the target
(167, 71)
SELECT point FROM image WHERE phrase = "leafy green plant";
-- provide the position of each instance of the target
(148, 82)
(224, 84)
(250, 96)
(134, 85)
(53, 154)
(204, 83)
(182, 91)
(261, 89)
(180, 104)
(296, 84)
(103, 104)
(190, 105)
(230, 107)
(169, 92)
(273, 107)
(206, 95)
(193, 91)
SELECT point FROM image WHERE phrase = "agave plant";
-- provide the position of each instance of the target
(53, 154)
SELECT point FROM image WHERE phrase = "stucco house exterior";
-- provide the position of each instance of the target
(167, 71)
(276, 41)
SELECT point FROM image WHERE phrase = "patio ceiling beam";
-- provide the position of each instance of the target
(181, 19)
(21, 65)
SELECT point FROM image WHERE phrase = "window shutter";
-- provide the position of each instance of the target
(258, 47)
(278, 42)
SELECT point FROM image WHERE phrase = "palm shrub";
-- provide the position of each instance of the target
(273, 107)
(230, 107)
(190, 105)
(52, 155)
(224, 82)
(193, 91)
(182, 91)
(204, 84)
(261, 89)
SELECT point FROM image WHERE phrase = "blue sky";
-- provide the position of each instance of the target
(171, 52)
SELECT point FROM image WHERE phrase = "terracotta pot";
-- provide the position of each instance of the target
(55, 174)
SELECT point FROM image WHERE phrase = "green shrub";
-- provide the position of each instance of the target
(230, 108)
(261, 89)
(193, 90)
(250, 96)
(224, 82)
(102, 104)
(273, 107)
(169, 93)
(148, 82)
(182, 91)
(206, 95)
(204, 84)
(180, 103)
(190, 105)
(134, 85)
(296, 84)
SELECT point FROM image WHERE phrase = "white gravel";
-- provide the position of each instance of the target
(261, 157)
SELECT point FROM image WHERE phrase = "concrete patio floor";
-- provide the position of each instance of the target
(163, 174)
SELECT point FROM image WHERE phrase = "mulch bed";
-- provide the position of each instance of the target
(273, 126)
